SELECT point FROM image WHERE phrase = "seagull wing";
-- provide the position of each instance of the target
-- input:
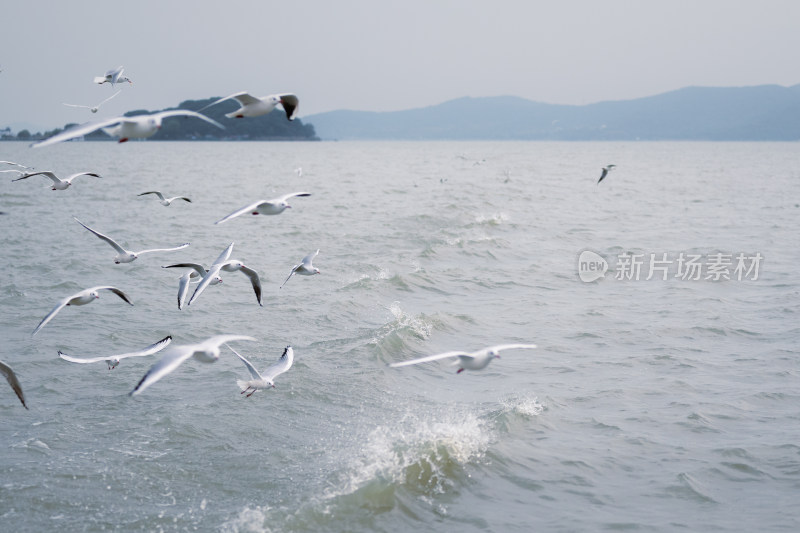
(45, 173)
(248, 364)
(181, 247)
(157, 193)
(78, 131)
(290, 103)
(292, 195)
(187, 113)
(109, 240)
(283, 364)
(238, 95)
(114, 290)
(500, 347)
(254, 280)
(197, 267)
(241, 211)
(107, 99)
(73, 176)
(153, 348)
(171, 360)
(183, 288)
(11, 377)
(213, 271)
(603, 175)
(310, 257)
(294, 269)
(429, 358)
(60, 305)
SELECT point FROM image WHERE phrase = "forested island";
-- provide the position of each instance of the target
(270, 127)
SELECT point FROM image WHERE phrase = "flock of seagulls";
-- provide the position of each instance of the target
(209, 350)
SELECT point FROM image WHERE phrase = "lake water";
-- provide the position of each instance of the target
(649, 405)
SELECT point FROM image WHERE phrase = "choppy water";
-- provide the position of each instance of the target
(649, 405)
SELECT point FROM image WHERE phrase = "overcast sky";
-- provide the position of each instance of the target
(380, 56)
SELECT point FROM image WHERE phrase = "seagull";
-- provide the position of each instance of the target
(276, 206)
(606, 170)
(222, 263)
(113, 360)
(206, 352)
(165, 201)
(305, 268)
(58, 183)
(197, 272)
(82, 298)
(265, 380)
(13, 381)
(299, 171)
(138, 127)
(127, 256)
(16, 165)
(95, 108)
(466, 360)
(113, 77)
(252, 106)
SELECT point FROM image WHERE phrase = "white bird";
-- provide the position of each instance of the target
(137, 127)
(16, 165)
(252, 106)
(11, 377)
(165, 201)
(58, 183)
(606, 170)
(206, 352)
(82, 298)
(266, 379)
(468, 360)
(276, 206)
(113, 360)
(94, 109)
(299, 172)
(113, 77)
(126, 256)
(222, 263)
(305, 268)
(196, 272)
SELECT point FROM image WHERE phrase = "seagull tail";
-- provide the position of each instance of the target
(243, 385)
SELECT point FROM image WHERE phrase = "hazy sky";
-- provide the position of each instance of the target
(379, 56)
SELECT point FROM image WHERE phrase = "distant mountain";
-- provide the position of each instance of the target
(762, 113)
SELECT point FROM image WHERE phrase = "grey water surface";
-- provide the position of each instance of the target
(649, 405)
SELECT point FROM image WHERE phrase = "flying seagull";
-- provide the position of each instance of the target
(94, 109)
(266, 379)
(305, 268)
(606, 170)
(81, 298)
(58, 183)
(165, 201)
(126, 256)
(11, 377)
(137, 127)
(113, 77)
(468, 360)
(196, 272)
(222, 263)
(113, 360)
(206, 352)
(252, 106)
(276, 206)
